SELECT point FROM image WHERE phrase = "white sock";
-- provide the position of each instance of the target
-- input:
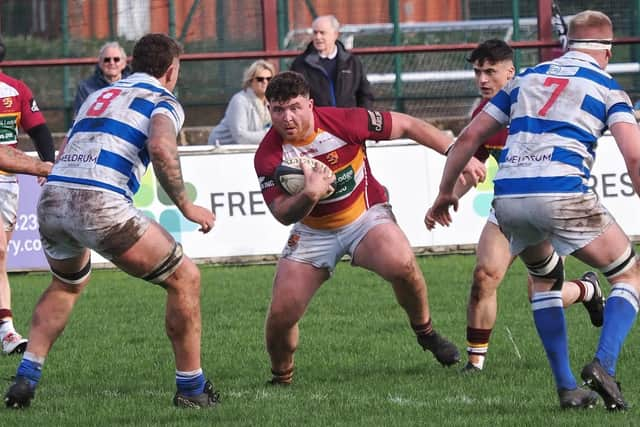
(589, 290)
(5, 327)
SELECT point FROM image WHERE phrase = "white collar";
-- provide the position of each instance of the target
(331, 55)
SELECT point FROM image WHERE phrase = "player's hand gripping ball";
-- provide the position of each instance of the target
(290, 178)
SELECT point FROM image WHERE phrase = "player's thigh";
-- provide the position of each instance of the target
(294, 285)
(534, 254)
(384, 250)
(153, 247)
(493, 256)
(604, 249)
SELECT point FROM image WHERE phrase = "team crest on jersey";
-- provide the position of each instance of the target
(293, 241)
(375, 121)
(34, 106)
(332, 158)
(7, 102)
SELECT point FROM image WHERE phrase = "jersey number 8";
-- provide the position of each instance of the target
(103, 101)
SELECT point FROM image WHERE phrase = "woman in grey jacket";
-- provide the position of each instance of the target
(247, 119)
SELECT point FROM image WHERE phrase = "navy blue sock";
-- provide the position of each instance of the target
(30, 370)
(620, 313)
(190, 383)
(548, 316)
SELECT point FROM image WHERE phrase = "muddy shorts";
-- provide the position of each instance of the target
(9, 192)
(324, 248)
(568, 222)
(73, 219)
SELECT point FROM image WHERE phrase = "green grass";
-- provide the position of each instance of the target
(357, 363)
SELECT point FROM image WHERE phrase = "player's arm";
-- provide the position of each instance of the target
(163, 152)
(43, 141)
(405, 126)
(470, 139)
(290, 209)
(627, 136)
(15, 161)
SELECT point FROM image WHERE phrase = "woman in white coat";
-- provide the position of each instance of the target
(247, 118)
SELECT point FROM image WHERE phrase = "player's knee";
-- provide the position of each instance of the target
(486, 279)
(404, 269)
(283, 315)
(550, 268)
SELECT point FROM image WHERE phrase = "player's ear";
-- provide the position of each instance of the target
(171, 75)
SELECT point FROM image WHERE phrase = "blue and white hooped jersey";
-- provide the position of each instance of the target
(556, 112)
(107, 146)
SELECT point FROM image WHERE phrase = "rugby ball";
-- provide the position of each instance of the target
(290, 178)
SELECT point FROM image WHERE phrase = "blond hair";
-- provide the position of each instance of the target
(253, 69)
(588, 20)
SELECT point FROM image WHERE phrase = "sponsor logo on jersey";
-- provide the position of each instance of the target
(8, 129)
(527, 158)
(34, 106)
(266, 182)
(375, 121)
(345, 182)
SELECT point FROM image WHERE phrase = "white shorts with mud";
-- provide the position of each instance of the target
(324, 248)
(73, 219)
(569, 222)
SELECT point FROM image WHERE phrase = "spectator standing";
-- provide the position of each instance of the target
(111, 67)
(336, 77)
(247, 118)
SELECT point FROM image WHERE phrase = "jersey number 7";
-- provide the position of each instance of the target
(561, 84)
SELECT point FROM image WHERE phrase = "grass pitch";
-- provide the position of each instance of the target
(357, 363)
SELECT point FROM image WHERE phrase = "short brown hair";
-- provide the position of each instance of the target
(154, 53)
(287, 85)
(492, 50)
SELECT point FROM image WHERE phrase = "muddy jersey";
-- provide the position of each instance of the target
(18, 109)
(107, 145)
(556, 112)
(339, 142)
(493, 145)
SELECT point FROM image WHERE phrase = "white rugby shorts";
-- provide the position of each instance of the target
(569, 222)
(9, 192)
(324, 248)
(72, 219)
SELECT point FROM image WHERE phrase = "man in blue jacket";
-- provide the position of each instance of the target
(111, 67)
(336, 76)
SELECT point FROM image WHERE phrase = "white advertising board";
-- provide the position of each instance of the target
(223, 179)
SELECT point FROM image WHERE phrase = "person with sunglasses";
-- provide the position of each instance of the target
(111, 67)
(246, 119)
